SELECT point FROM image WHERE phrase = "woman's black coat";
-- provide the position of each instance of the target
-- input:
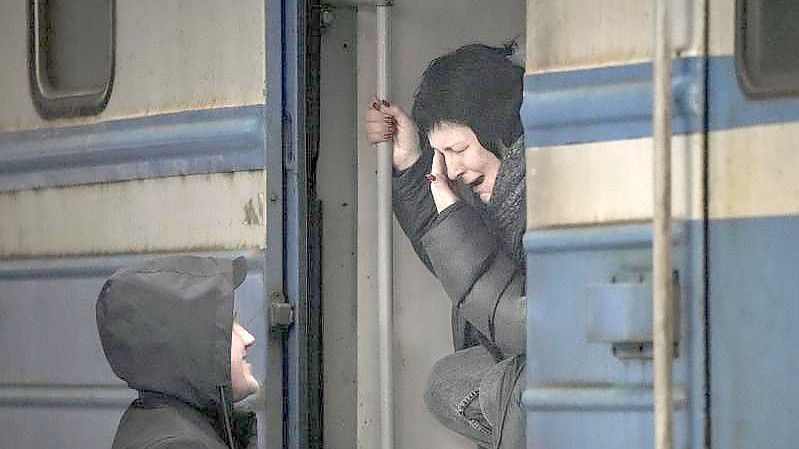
(464, 251)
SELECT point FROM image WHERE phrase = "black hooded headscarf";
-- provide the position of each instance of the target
(165, 326)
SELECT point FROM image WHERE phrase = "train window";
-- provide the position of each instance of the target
(71, 56)
(767, 35)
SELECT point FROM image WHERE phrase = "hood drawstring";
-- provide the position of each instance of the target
(226, 418)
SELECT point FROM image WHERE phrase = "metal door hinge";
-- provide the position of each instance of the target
(281, 313)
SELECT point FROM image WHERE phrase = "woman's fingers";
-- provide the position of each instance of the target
(443, 194)
(438, 172)
(399, 114)
(438, 168)
(385, 121)
(374, 103)
(380, 130)
(379, 126)
(387, 109)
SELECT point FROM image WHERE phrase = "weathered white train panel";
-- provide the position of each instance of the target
(754, 172)
(170, 56)
(608, 182)
(569, 35)
(185, 213)
(752, 157)
(721, 35)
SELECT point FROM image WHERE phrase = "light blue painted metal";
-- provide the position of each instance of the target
(203, 141)
(753, 312)
(594, 238)
(570, 374)
(607, 103)
(728, 107)
(614, 103)
(588, 399)
(82, 267)
(66, 396)
(54, 428)
(620, 311)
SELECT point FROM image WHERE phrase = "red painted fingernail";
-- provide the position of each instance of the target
(430, 177)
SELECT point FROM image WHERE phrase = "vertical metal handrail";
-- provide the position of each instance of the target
(385, 255)
(663, 328)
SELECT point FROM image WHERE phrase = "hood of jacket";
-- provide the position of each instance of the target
(165, 326)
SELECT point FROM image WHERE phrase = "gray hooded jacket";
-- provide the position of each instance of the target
(165, 328)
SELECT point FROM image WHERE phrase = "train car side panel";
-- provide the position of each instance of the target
(170, 56)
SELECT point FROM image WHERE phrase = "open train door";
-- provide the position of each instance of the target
(588, 117)
(130, 130)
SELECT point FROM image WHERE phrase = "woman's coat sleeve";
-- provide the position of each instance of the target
(485, 283)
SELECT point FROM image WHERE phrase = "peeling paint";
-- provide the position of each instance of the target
(255, 210)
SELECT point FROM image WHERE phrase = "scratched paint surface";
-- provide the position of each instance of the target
(185, 213)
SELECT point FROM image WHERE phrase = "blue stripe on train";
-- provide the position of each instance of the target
(615, 103)
(191, 142)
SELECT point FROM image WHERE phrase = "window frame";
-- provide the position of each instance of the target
(52, 102)
(748, 30)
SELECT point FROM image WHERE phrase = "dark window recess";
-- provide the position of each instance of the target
(71, 56)
(767, 47)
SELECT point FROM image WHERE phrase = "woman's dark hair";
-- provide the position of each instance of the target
(475, 86)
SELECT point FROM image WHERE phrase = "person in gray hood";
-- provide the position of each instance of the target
(167, 328)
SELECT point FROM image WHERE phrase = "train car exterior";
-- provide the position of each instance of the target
(752, 166)
(193, 143)
(130, 130)
(189, 137)
(588, 127)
